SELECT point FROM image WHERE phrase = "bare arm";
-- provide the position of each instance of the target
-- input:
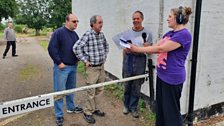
(166, 47)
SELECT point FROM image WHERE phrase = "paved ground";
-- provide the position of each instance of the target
(30, 74)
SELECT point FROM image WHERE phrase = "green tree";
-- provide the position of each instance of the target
(33, 13)
(59, 10)
(8, 8)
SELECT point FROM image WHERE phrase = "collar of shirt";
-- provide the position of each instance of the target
(96, 33)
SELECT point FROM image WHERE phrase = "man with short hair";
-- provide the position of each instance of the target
(65, 65)
(9, 36)
(92, 49)
(134, 63)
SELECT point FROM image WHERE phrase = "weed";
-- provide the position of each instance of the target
(44, 44)
(116, 90)
(81, 68)
(28, 72)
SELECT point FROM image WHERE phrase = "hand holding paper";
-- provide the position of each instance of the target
(124, 43)
(122, 40)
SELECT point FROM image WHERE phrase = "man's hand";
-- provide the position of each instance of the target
(145, 44)
(87, 64)
(133, 48)
(61, 66)
(127, 50)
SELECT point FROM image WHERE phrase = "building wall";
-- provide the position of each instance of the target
(117, 18)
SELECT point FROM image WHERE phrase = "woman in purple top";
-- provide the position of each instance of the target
(172, 52)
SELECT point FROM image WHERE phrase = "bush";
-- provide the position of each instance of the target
(45, 31)
(19, 28)
(2, 27)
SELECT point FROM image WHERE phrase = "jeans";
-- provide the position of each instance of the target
(64, 79)
(133, 65)
(131, 95)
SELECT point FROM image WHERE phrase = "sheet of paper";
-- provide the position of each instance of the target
(124, 36)
(125, 45)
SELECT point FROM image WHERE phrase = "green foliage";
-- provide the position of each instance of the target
(33, 13)
(8, 8)
(45, 31)
(1, 34)
(2, 27)
(141, 105)
(116, 90)
(151, 116)
(59, 10)
(28, 72)
(40, 13)
(19, 28)
(81, 68)
(44, 44)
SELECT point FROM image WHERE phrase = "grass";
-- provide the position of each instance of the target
(81, 68)
(1, 34)
(43, 32)
(32, 32)
(44, 44)
(117, 91)
(28, 72)
(149, 116)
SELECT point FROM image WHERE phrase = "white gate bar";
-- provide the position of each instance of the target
(76, 89)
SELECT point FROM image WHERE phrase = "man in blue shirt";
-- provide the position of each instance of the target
(65, 65)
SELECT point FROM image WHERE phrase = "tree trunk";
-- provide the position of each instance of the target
(37, 32)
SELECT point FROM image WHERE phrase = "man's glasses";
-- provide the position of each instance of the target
(75, 21)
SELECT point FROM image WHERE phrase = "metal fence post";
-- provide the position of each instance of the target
(151, 86)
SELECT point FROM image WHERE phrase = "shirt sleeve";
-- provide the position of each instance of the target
(181, 37)
(149, 39)
(5, 34)
(78, 48)
(53, 48)
(116, 40)
(106, 45)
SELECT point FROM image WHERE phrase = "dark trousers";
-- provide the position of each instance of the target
(131, 95)
(9, 43)
(132, 66)
(168, 104)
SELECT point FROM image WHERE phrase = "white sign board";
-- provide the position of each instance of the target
(25, 105)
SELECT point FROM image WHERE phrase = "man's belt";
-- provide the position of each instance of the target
(95, 65)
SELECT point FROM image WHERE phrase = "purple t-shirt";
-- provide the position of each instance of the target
(171, 65)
